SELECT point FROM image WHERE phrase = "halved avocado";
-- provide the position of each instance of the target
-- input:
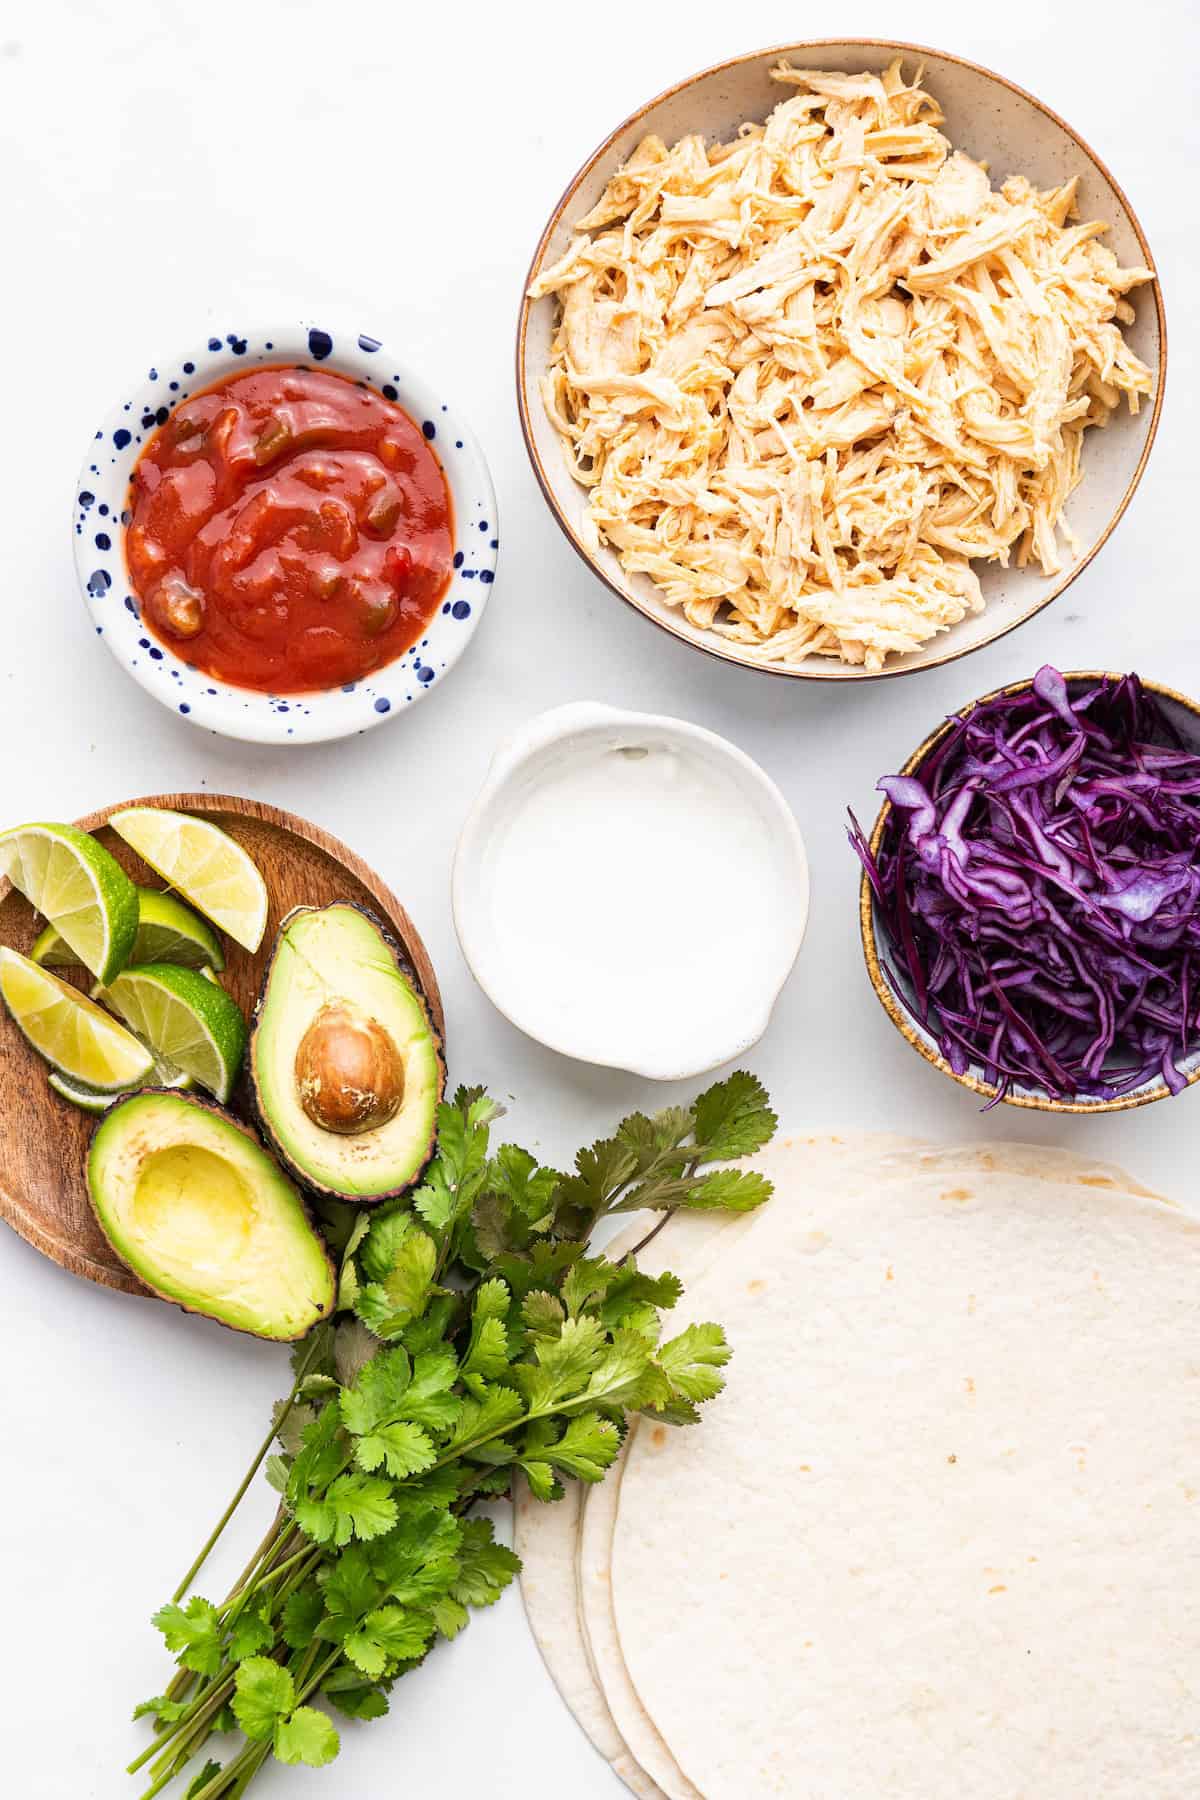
(192, 1202)
(345, 1064)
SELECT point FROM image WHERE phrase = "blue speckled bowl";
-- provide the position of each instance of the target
(101, 514)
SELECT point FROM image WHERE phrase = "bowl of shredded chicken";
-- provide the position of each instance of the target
(841, 361)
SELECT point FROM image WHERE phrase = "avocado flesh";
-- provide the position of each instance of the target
(323, 956)
(199, 1211)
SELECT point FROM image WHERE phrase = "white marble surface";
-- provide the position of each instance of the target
(169, 168)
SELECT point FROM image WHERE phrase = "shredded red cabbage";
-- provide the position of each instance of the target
(1038, 888)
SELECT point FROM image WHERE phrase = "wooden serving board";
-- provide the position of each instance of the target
(44, 1140)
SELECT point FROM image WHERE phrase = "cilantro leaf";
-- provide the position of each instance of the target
(349, 1287)
(484, 1418)
(728, 1190)
(459, 1169)
(377, 1393)
(627, 1375)
(363, 1221)
(488, 1351)
(449, 1616)
(306, 1737)
(350, 1589)
(588, 1279)
(389, 1634)
(401, 1446)
(164, 1710)
(651, 1138)
(428, 1400)
(733, 1118)
(562, 1365)
(302, 1614)
(485, 1567)
(528, 1190)
(434, 1199)
(362, 1506)
(362, 1701)
(263, 1693)
(690, 1362)
(600, 1173)
(477, 1105)
(382, 1245)
(388, 1305)
(353, 1348)
(632, 1292)
(291, 1424)
(208, 1773)
(320, 1455)
(251, 1633)
(543, 1267)
(542, 1314)
(192, 1633)
(587, 1447)
(543, 1484)
(417, 1563)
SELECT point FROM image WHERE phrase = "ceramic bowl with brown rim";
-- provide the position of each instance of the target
(992, 120)
(896, 996)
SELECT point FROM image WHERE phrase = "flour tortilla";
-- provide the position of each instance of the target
(545, 1536)
(940, 1533)
(795, 1163)
(698, 1243)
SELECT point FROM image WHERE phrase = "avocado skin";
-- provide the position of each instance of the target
(227, 1118)
(300, 1175)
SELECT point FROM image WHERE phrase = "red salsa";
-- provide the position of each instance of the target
(290, 530)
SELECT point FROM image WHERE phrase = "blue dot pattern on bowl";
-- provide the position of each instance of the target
(102, 565)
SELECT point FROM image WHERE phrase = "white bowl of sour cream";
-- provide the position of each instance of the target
(631, 890)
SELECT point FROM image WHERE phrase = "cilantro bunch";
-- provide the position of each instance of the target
(475, 1335)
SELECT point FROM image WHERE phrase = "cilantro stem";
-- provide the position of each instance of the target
(251, 1472)
(276, 1541)
(669, 1213)
(313, 1684)
(267, 1543)
(268, 1575)
(245, 1764)
(209, 1701)
(253, 1765)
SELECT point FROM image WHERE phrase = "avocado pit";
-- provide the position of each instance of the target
(349, 1072)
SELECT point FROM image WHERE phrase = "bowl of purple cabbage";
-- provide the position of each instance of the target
(1030, 898)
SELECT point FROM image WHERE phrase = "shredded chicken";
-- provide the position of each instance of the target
(810, 375)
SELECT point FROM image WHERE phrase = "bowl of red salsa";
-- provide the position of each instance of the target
(285, 535)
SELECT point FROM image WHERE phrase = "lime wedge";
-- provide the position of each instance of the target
(204, 864)
(184, 1018)
(87, 1099)
(93, 1100)
(79, 887)
(168, 931)
(75, 1035)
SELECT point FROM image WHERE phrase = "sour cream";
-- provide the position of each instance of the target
(631, 890)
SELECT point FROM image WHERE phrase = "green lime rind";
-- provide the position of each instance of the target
(95, 1100)
(75, 1036)
(78, 886)
(88, 1100)
(186, 1018)
(168, 932)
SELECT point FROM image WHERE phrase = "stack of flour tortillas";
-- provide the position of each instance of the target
(940, 1535)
